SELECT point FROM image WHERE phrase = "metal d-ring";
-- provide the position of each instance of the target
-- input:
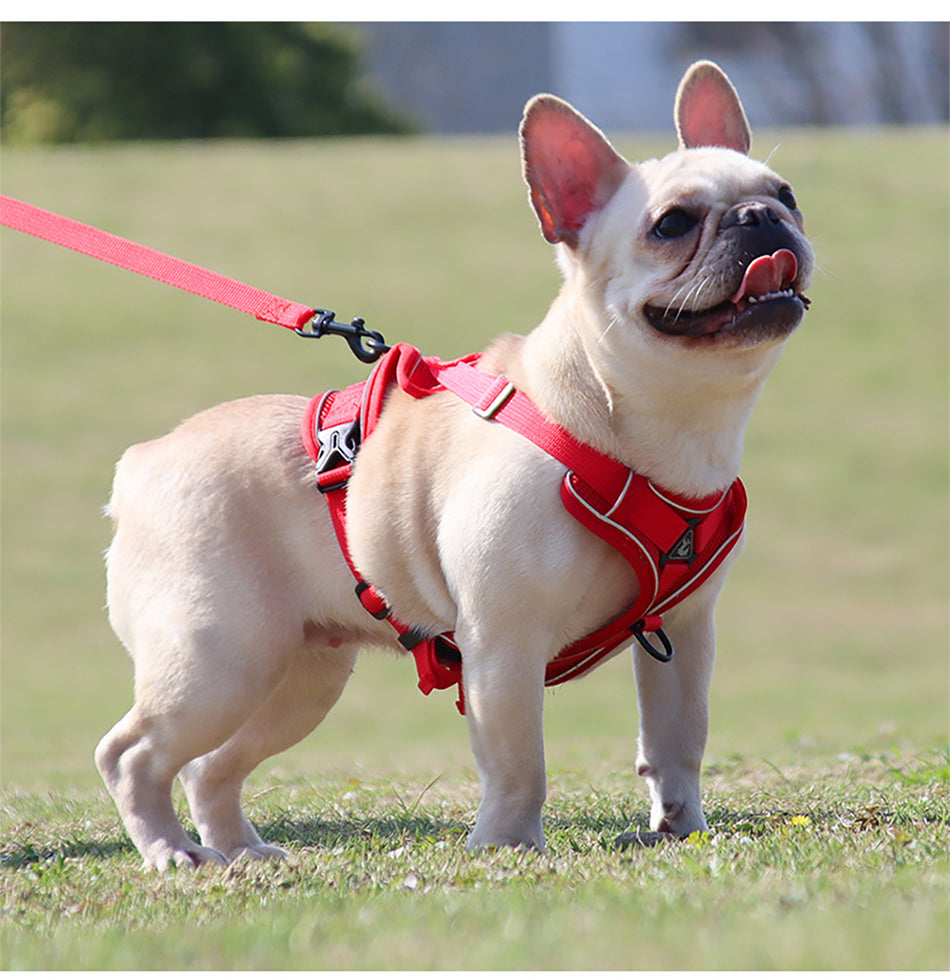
(663, 655)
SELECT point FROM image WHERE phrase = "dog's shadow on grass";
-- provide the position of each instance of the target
(384, 833)
(27, 855)
(328, 834)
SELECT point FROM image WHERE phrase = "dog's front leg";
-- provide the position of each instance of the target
(504, 698)
(674, 719)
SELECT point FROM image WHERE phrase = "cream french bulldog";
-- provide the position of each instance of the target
(683, 278)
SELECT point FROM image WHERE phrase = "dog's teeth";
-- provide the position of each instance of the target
(784, 294)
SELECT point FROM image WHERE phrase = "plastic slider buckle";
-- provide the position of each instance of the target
(371, 600)
(496, 396)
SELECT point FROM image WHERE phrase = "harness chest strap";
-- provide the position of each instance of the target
(673, 544)
(333, 427)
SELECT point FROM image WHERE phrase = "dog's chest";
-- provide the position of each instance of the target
(673, 545)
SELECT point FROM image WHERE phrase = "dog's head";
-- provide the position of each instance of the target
(703, 249)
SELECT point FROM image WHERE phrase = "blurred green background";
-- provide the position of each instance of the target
(97, 82)
(833, 627)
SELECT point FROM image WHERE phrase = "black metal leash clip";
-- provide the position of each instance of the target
(367, 345)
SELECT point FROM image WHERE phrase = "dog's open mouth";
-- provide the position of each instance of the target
(766, 300)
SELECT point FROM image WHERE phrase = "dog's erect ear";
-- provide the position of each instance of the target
(570, 168)
(708, 111)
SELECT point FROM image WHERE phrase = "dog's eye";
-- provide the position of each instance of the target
(675, 223)
(786, 196)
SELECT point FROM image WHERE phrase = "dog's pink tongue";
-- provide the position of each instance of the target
(768, 273)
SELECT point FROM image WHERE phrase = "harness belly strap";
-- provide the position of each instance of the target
(672, 543)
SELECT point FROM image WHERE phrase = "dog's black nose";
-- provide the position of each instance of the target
(749, 215)
(754, 228)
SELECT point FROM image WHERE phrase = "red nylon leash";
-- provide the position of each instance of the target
(154, 264)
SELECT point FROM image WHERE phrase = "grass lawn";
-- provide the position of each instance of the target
(826, 778)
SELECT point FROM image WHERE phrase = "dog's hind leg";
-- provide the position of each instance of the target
(170, 724)
(213, 782)
(140, 783)
(218, 556)
(202, 669)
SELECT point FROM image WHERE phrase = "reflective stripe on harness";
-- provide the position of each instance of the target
(672, 543)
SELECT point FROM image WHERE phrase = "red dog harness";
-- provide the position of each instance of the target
(673, 543)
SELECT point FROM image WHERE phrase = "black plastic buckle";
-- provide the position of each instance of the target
(367, 345)
(338, 445)
(411, 638)
(664, 655)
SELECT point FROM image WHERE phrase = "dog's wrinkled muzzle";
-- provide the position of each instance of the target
(765, 304)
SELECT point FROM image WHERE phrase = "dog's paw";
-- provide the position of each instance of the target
(257, 851)
(483, 839)
(643, 837)
(163, 856)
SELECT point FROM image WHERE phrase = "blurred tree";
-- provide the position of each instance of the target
(68, 82)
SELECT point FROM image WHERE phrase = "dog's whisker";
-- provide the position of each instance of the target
(690, 297)
(768, 160)
(672, 302)
(614, 318)
(675, 298)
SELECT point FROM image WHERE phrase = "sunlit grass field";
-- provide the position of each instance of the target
(826, 779)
